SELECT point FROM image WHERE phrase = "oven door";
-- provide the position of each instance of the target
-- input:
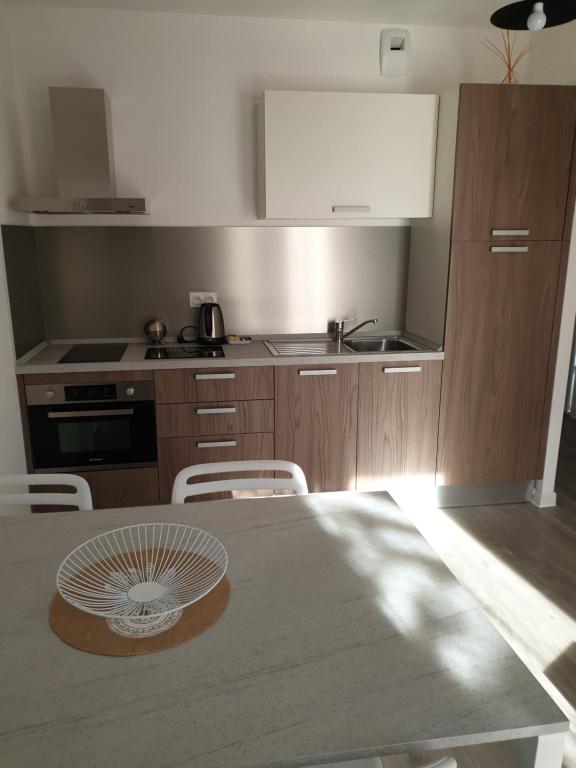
(87, 436)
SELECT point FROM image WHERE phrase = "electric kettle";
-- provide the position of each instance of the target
(211, 324)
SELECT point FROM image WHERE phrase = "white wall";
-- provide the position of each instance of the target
(183, 90)
(11, 444)
(555, 63)
(430, 238)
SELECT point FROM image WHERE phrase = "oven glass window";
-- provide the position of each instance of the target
(94, 436)
(77, 437)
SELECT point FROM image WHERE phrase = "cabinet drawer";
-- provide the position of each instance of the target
(201, 385)
(221, 418)
(175, 453)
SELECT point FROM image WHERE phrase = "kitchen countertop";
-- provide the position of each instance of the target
(345, 637)
(45, 360)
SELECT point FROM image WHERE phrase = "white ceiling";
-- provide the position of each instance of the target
(426, 12)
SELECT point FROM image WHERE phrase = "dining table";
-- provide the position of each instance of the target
(344, 637)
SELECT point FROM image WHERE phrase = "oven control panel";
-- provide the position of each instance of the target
(90, 392)
(60, 394)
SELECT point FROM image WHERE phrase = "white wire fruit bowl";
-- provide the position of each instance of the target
(141, 577)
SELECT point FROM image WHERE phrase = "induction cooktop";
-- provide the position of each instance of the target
(94, 353)
(181, 353)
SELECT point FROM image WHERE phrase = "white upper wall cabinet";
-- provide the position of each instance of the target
(348, 155)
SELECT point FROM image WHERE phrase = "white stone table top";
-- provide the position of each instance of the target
(345, 636)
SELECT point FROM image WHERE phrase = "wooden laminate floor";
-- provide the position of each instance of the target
(520, 563)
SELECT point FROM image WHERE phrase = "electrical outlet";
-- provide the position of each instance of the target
(203, 297)
(196, 298)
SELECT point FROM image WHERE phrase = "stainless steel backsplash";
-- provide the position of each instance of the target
(23, 287)
(108, 281)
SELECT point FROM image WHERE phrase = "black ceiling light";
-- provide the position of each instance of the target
(534, 16)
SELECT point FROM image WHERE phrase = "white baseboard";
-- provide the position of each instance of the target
(544, 498)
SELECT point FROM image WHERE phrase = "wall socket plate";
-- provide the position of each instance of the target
(203, 297)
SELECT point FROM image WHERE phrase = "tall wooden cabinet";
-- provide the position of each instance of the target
(316, 422)
(506, 280)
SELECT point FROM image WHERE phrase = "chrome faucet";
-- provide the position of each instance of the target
(339, 334)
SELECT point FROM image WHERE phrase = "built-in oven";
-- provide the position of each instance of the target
(86, 426)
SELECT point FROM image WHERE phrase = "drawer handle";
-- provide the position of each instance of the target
(404, 369)
(351, 209)
(508, 249)
(318, 372)
(211, 376)
(510, 232)
(218, 444)
(206, 411)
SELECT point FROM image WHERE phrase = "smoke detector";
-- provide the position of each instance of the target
(395, 46)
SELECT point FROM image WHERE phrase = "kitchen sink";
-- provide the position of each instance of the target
(380, 345)
(297, 347)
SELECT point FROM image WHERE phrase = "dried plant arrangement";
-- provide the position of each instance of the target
(509, 57)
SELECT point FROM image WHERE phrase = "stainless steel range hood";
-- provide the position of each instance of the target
(84, 158)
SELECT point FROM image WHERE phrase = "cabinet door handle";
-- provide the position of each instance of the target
(206, 411)
(351, 208)
(218, 444)
(510, 232)
(404, 369)
(508, 249)
(212, 376)
(318, 372)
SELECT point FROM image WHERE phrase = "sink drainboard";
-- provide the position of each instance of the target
(294, 348)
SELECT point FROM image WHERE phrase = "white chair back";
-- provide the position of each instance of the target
(182, 489)
(80, 497)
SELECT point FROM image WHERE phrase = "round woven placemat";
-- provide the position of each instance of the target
(91, 633)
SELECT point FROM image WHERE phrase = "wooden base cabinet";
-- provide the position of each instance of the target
(123, 487)
(111, 488)
(316, 422)
(500, 335)
(398, 410)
